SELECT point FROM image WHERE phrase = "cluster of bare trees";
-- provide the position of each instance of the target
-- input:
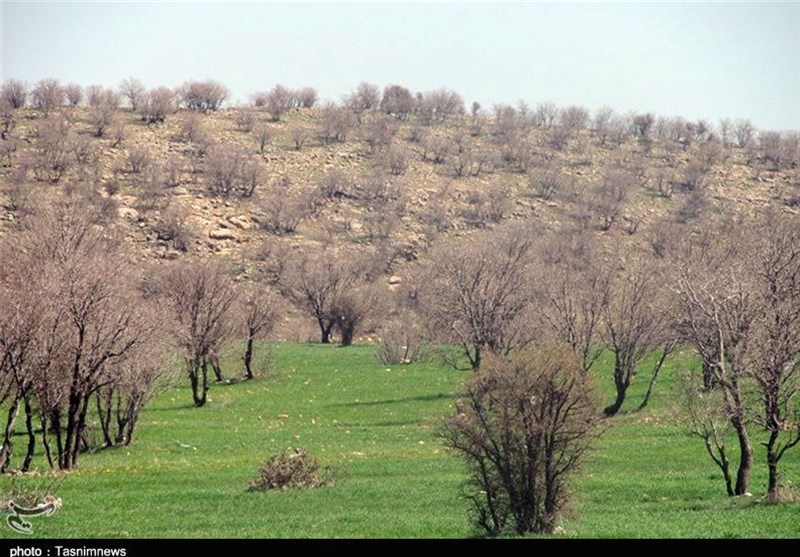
(732, 295)
(74, 332)
(739, 302)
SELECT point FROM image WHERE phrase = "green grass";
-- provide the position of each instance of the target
(186, 473)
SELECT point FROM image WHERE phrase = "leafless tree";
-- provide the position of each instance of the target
(53, 154)
(278, 101)
(14, 92)
(282, 213)
(299, 134)
(203, 96)
(635, 324)
(522, 426)
(47, 94)
(574, 117)
(379, 133)
(306, 97)
(316, 282)
(201, 298)
(102, 111)
(245, 119)
(231, 171)
(157, 104)
(133, 91)
(397, 101)
(260, 310)
(362, 99)
(775, 258)
(264, 135)
(73, 93)
(744, 132)
(436, 106)
(715, 314)
(335, 123)
(572, 289)
(545, 114)
(476, 293)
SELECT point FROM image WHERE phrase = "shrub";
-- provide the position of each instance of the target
(522, 426)
(401, 343)
(291, 468)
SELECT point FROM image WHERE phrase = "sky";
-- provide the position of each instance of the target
(691, 59)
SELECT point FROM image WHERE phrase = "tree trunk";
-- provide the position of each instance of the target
(664, 353)
(621, 385)
(45, 441)
(772, 464)
(198, 377)
(6, 449)
(104, 414)
(745, 456)
(325, 330)
(26, 464)
(348, 332)
(248, 358)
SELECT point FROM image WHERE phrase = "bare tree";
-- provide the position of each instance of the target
(201, 299)
(278, 101)
(476, 294)
(364, 98)
(306, 97)
(299, 134)
(73, 93)
(572, 292)
(245, 119)
(776, 336)
(335, 123)
(316, 282)
(203, 96)
(157, 105)
(715, 313)
(133, 91)
(397, 101)
(744, 132)
(634, 326)
(436, 106)
(522, 426)
(14, 92)
(231, 171)
(260, 310)
(47, 94)
(264, 135)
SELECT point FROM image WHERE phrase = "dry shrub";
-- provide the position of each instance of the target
(522, 426)
(291, 468)
(401, 343)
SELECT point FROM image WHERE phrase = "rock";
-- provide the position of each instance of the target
(239, 222)
(222, 234)
(128, 213)
(180, 190)
(394, 279)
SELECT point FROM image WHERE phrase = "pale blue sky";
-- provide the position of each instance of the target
(708, 60)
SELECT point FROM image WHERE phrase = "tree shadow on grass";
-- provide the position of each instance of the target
(424, 398)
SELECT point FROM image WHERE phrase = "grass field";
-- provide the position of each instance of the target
(186, 473)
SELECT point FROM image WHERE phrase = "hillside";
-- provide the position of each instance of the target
(236, 183)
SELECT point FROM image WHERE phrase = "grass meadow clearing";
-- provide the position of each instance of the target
(186, 473)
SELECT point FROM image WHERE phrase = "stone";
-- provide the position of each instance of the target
(239, 222)
(222, 234)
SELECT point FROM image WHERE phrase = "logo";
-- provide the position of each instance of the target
(16, 515)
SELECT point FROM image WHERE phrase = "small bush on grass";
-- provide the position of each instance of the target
(522, 426)
(291, 468)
